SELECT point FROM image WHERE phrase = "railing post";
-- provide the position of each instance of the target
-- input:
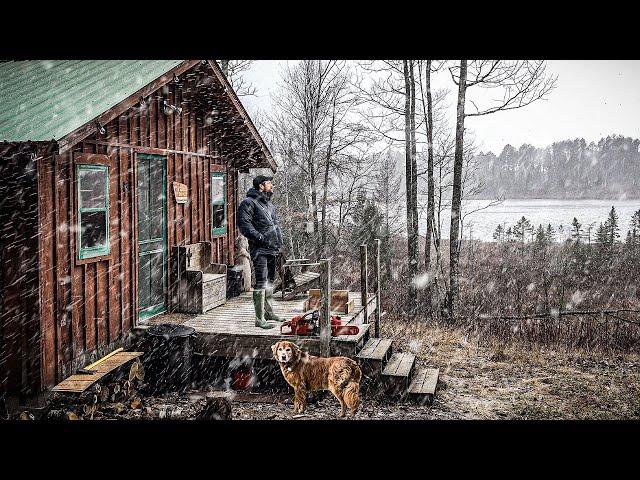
(377, 267)
(364, 281)
(325, 307)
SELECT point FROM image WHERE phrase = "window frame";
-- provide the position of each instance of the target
(95, 253)
(219, 230)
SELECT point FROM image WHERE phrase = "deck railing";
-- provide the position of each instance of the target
(325, 295)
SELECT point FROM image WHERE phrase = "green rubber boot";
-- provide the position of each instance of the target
(268, 307)
(258, 303)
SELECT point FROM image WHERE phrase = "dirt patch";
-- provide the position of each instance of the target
(491, 382)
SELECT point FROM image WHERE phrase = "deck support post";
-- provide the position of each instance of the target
(364, 276)
(377, 272)
(325, 310)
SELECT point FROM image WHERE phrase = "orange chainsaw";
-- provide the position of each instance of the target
(309, 324)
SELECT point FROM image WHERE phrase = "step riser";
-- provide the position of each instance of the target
(420, 399)
(373, 368)
(395, 385)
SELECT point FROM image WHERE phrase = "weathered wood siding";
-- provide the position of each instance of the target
(19, 295)
(88, 307)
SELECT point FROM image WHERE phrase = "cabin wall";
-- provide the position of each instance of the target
(19, 279)
(89, 307)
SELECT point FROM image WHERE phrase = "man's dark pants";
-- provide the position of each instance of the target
(265, 268)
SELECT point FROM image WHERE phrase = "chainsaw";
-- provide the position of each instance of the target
(309, 325)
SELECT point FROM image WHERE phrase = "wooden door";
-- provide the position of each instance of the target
(152, 235)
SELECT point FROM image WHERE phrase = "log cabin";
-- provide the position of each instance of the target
(104, 167)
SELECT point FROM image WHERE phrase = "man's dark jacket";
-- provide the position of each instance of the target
(258, 221)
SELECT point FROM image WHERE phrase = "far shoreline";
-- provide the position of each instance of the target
(491, 199)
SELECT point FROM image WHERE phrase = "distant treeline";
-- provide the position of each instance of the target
(570, 169)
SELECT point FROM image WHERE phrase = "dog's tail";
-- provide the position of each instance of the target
(351, 392)
(351, 396)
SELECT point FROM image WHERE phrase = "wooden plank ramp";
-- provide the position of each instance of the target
(79, 382)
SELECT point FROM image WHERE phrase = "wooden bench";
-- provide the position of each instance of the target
(294, 283)
(200, 285)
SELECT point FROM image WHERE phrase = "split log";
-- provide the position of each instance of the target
(140, 372)
(136, 403)
(104, 394)
(217, 408)
(26, 416)
(133, 370)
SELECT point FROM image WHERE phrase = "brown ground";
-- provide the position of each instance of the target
(486, 382)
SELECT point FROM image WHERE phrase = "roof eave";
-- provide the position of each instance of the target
(245, 116)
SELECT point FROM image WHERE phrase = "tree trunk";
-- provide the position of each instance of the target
(430, 187)
(410, 180)
(456, 200)
(224, 66)
(414, 170)
(325, 183)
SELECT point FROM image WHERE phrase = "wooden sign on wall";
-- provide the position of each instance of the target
(181, 192)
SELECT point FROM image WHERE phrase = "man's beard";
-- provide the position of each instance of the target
(268, 194)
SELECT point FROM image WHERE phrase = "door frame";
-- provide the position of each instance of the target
(143, 315)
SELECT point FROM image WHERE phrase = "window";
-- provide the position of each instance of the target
(218, 203)
(93, 210)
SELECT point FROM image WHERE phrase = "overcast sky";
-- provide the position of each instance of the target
(593, 99)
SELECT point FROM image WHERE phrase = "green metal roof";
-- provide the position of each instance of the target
(43, 100)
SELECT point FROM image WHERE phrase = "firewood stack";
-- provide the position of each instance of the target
(115, 392)
(119, 396)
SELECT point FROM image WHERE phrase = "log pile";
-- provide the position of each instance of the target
(120, 396)
(115, 392)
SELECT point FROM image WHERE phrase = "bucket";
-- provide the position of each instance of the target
(168, 349)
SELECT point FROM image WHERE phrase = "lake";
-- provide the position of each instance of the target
(481, 224)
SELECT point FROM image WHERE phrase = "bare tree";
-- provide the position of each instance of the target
(386, 91)
(235, 71)
(521, 82)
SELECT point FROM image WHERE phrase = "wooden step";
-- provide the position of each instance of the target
(376, 349)
(374, 356)
(423, 386)
(396, 375)
(376, 352)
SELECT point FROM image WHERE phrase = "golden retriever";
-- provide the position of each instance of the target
(307, 373)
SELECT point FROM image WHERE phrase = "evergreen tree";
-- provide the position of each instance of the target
(602, 237)
(541, 236)
(576, 230)
(551, 233)
(498, 233)
(634, 231)
(521, 228)
(368, 222)
(611, 226)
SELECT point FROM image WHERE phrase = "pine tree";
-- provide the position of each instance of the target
(551, 233)
(521, 228)
(634, 231)
(541, 237)
(611, 227)
(576, 229)
(602, 236)
(498, 233)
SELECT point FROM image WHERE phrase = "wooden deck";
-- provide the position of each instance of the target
(229, 330)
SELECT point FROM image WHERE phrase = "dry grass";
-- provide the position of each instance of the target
(491, 381)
